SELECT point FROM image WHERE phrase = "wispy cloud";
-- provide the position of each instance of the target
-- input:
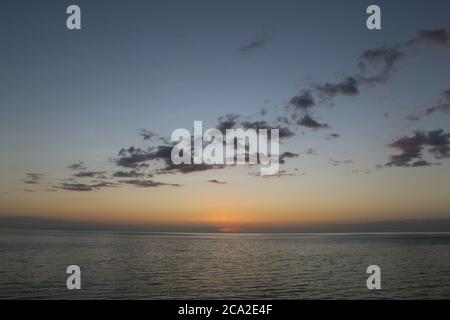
(215, 181)
(33, 178)
(82, 187)
(257, 43)
(442, 106)
(149, 183)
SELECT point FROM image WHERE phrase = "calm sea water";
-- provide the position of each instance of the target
(222, 266)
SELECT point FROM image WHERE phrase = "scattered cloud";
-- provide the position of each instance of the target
(438, 37)
(257, 43)
(303, 101)
(412, 148)
(147, 134)
(133, 157)
(128, 174)
(78, 166)
(336, 163)
(33, 178)
(308, 122)
(148, 183)
(346, 87)
(384, 60)
(443, 106)
(217, 181)
(82, 187)
(227, 121)
(90, 174)
(281, 173)
(333, 136)
(311, 152)
(287, 155)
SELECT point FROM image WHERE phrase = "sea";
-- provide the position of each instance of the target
(138, 265)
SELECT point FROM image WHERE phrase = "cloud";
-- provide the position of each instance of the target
(303, 101)
(128, 174)
(147, 134)
(33, 178)
(443, 105)
(148, 183)
(346, 87)
(133, 157)
(412, 148)
(287, 155)
(217, 181)
(137, 158)
(439, 37)
(311, 152)
(384, 59)
(283, 132)
(255, 44)
(308, 122)
(189, 168)
(227, 121)
(281, 173)
(332, 136)
(336, 163)
(82, 187)
(90, 174)
(78, 166)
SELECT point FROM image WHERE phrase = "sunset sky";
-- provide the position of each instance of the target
(365, 114)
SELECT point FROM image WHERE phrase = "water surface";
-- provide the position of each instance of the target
(222, 266)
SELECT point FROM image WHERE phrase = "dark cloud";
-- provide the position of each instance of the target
(442, 106)
(189, 168)
(128, 174)
(78, 166)
(439, 37)
(147, 134)
(308, 122)
(412, 148)
(33, 178)
(255, 125)
(336, 163)
(227, 121)
(281, 173)
(253, 45)
(384, 60)
(287, 155)
(83, 172)
(282, 119)
(136, 157)
(332, 136)
(303, 101)
(217, 181)
(346, 87)
(283, 132)
(90, 174)
(148, 183)
(82, 187)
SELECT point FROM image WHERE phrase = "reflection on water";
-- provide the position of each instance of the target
(222, 266)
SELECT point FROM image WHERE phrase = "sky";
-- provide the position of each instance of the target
(85, 114)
